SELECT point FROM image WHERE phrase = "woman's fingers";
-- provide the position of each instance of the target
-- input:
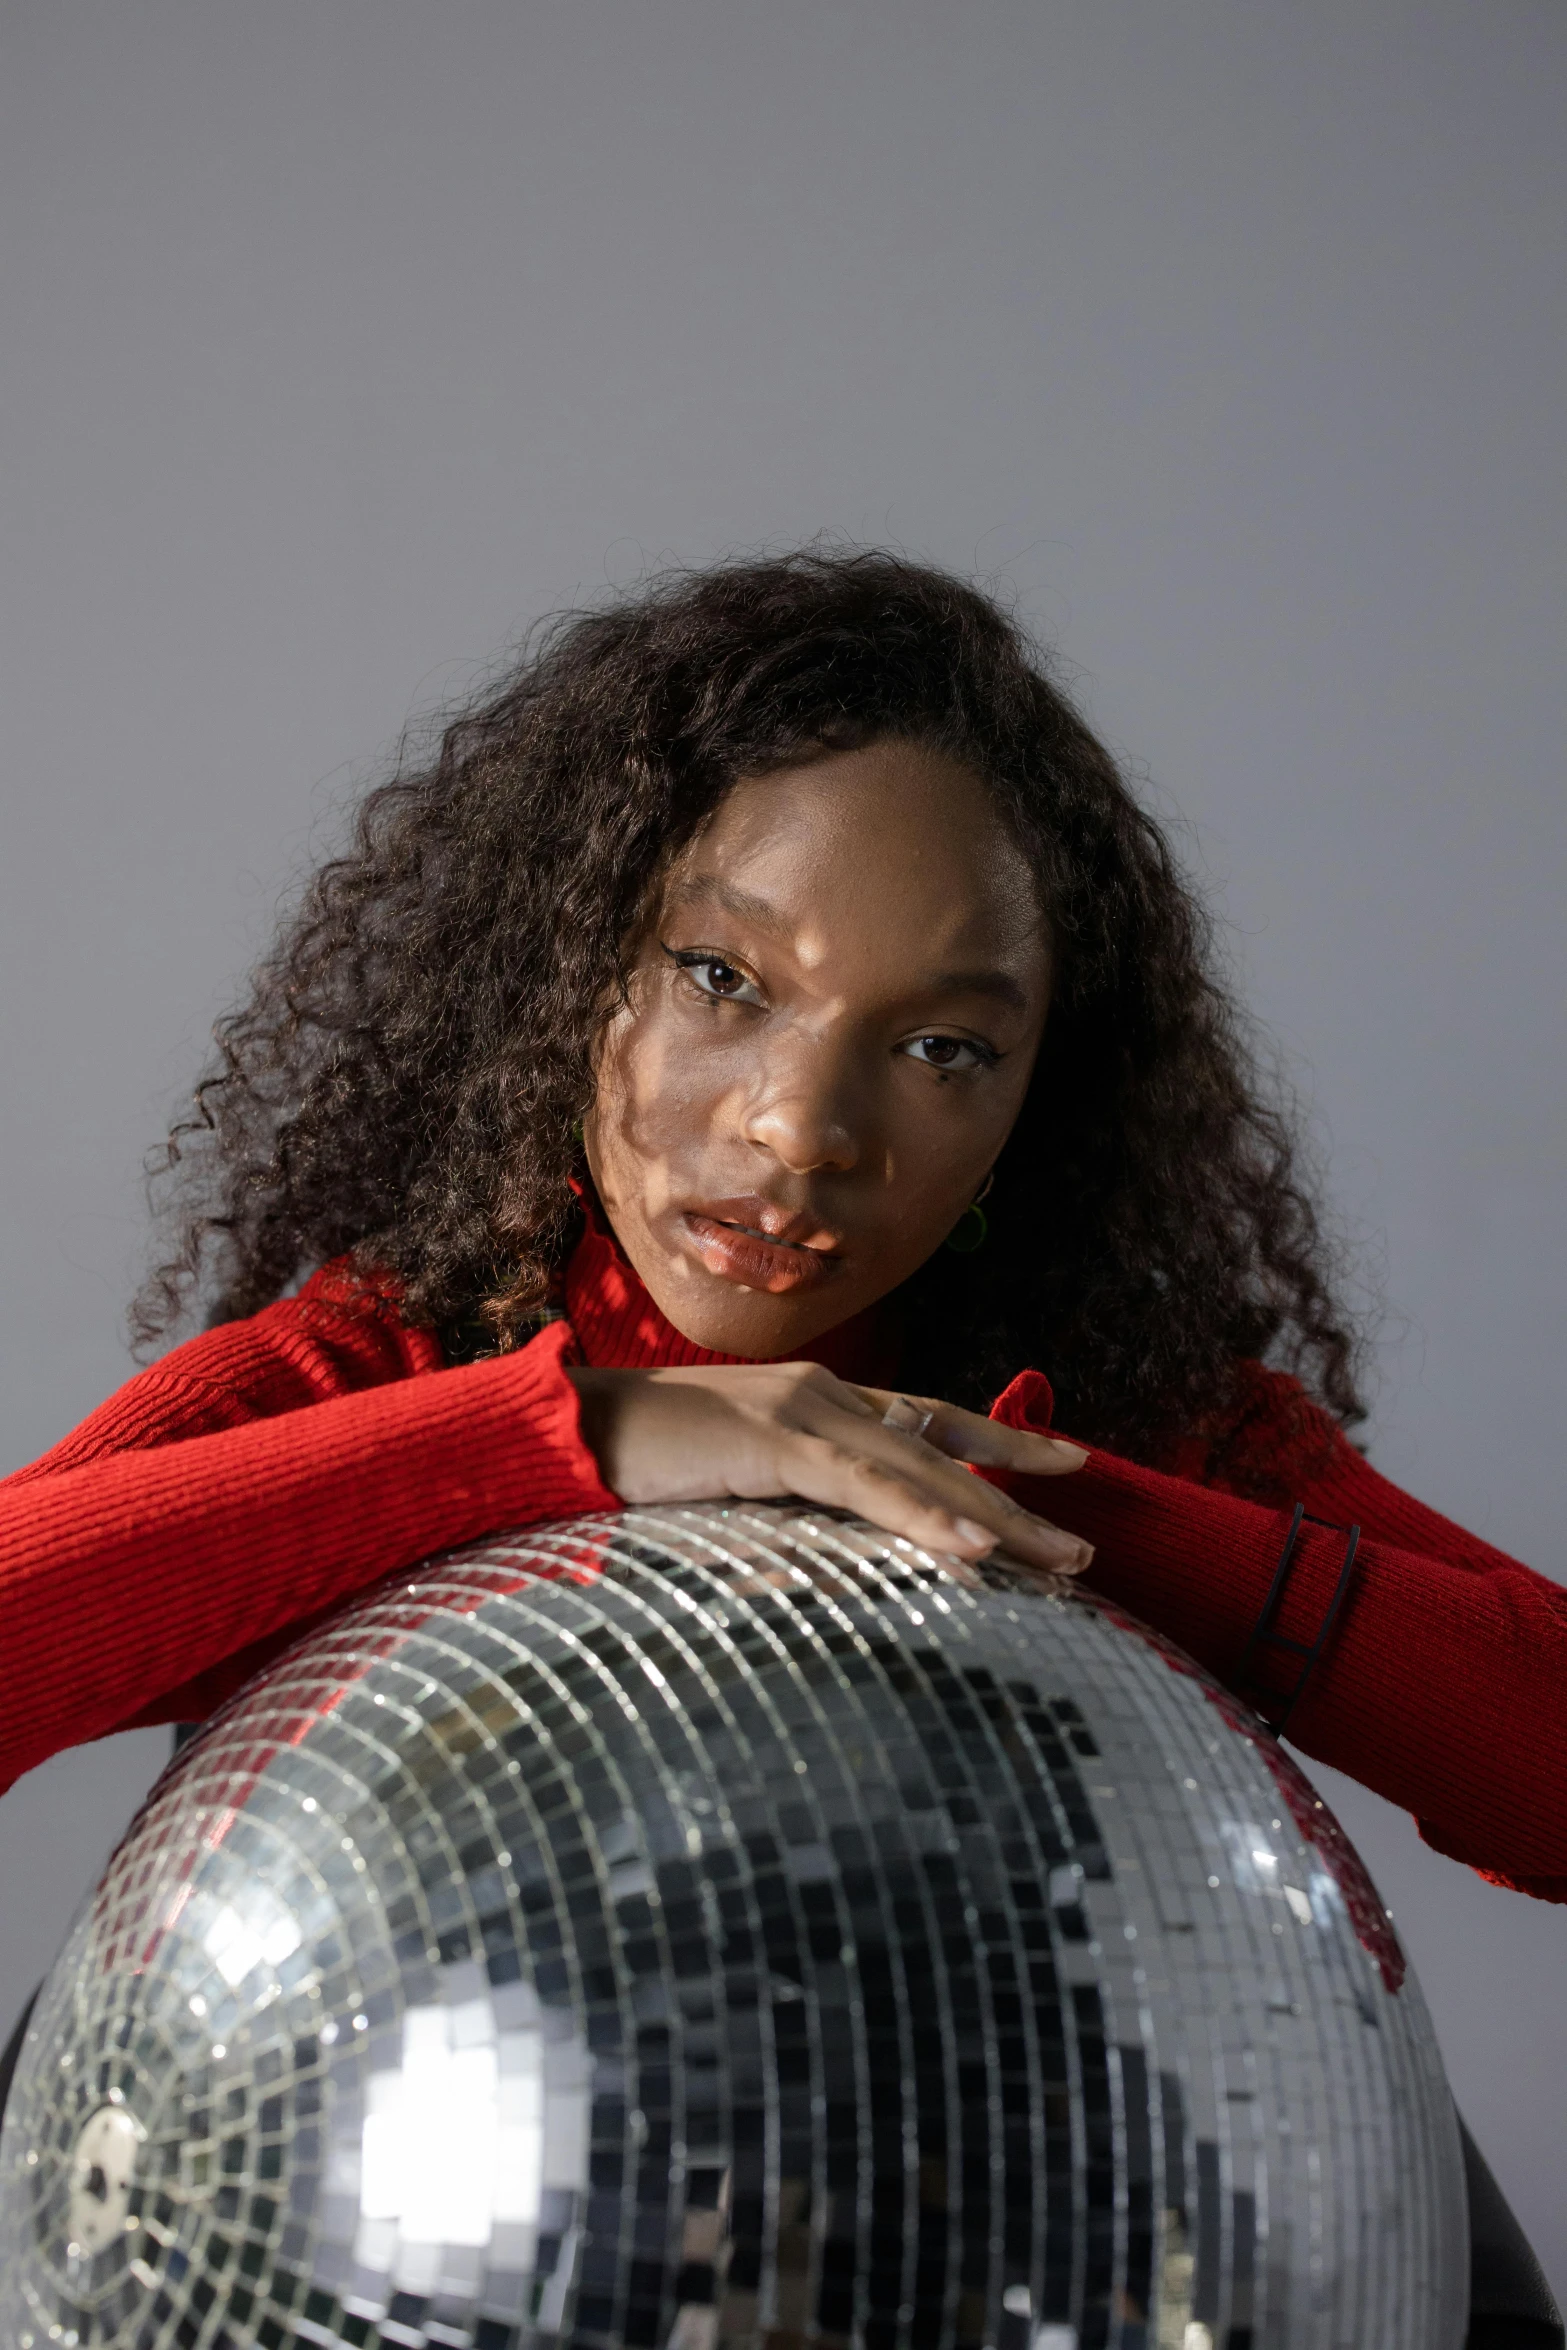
(1028, 1537)
(897, 1496)
(838, 1477)
(977, 1516)
(970, 1436)
(991, 1444)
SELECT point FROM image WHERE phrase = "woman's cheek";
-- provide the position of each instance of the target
(943, 1133)
(683, 1086)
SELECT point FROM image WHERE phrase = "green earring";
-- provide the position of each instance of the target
(969, 1232)
(972, 1228)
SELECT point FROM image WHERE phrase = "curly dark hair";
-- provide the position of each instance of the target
(406, 1079)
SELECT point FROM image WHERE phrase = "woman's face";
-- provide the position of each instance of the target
(832, 1022)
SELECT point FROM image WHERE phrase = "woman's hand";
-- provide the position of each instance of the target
(754, 1431)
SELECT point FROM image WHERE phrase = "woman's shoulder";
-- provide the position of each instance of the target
(340, 1333)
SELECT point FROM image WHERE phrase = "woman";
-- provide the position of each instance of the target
(763, 1030)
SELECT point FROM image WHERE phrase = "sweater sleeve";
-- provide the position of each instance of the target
(141, 1580)
(1444, 1687)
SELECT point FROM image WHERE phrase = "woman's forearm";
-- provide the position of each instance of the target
(127, 1579)
(1444, 1685)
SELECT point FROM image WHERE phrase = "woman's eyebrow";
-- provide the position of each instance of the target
(744, 904)
(1000, 986)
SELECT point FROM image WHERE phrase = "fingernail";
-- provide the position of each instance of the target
(970, 1531)
(1066, 1558)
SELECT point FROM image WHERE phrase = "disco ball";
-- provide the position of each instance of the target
(719, 1926)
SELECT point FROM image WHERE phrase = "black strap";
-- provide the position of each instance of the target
(1263, 1634)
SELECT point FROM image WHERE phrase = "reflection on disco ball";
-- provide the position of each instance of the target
(715, 1926)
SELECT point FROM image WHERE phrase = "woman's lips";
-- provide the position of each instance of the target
(740, 1253)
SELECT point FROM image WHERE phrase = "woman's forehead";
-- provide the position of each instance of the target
(896, 819)
(921, 887)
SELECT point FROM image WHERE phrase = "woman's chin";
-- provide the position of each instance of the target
(726, 1317)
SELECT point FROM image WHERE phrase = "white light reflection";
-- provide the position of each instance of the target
(432, 2137)
(459, 2143)
(236, 1943)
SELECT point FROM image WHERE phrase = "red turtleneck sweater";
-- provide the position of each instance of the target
(255, 1478)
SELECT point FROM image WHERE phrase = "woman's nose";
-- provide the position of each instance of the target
(804, 1121)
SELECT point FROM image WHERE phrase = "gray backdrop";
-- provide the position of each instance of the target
(339, 340)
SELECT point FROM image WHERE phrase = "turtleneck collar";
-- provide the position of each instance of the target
(618, 1326)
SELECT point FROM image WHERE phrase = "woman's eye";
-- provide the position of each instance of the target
(716, 978)
(950, 1052)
